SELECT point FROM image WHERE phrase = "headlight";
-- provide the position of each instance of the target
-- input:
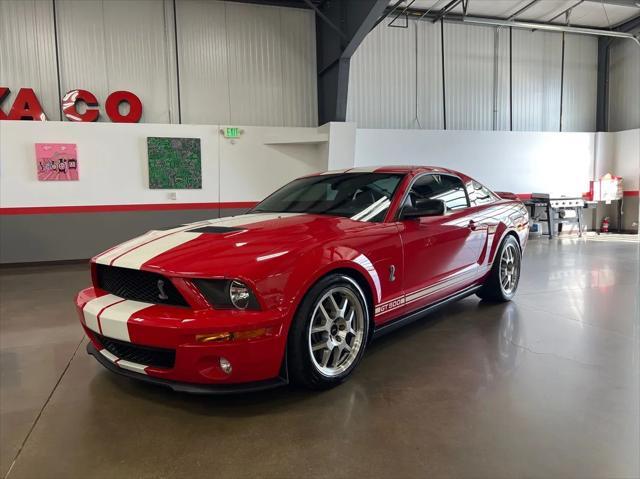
(239, 294)
(227, 294)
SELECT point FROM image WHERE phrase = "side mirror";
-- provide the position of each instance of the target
(424, 208)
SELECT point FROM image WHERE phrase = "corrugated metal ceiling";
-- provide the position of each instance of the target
(589, 13)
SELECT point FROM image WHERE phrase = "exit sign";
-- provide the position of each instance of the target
(231, 132)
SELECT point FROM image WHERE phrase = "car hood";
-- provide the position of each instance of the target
(218, 247)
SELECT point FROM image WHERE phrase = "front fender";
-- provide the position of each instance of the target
(327, 260)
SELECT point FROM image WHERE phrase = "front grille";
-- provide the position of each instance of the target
(156, 357)
(138, 285)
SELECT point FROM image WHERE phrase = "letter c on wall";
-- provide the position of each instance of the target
(70, 100)
(113, 103)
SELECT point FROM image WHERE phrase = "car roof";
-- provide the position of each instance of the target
(403, 169)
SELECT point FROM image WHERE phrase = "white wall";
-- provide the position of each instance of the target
(382, 78)
(469, 68)
(395, 79)
(113, 159)
(624, 85)
(28, 52)
(580, 83)
(114, 170)
(537, 60)
(236, 63)
(246, 64)
(618, 153)
(520, 162)
(626, 157)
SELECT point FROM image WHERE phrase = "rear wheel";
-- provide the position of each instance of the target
(502, 282)
(329, 333)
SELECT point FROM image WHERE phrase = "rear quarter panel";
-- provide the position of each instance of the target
(505, 217)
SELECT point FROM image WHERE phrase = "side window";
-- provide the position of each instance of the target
(449, 189)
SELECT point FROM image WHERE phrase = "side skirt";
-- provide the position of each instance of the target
(415, 315)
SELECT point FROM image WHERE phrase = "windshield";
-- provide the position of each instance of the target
(359, 196)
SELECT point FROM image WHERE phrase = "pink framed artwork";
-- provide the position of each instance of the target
(57, 161)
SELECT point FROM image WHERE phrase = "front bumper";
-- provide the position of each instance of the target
(257, 363)
(188, 387)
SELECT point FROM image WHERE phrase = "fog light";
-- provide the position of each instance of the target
(225, 365)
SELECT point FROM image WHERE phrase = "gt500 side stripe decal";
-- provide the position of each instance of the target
(459, 277)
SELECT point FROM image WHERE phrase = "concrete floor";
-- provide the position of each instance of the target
(546, 386)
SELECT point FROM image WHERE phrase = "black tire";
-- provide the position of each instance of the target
(303, 369)
(493, 289)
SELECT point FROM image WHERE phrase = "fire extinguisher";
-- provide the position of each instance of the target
(604, 228)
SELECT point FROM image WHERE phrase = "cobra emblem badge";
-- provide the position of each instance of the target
(162, 294)
(392, 273)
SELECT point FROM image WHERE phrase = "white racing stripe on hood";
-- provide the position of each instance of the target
(135, 258)
(113, 253)
(114, 319)
(133, 254)
(109, 256)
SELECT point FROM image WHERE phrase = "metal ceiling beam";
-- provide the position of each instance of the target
(427, 15)
(602, 91)
(632, 25)
(619, 3)
(325, 19)
(426, 12)
(404, 10)
(552, 28)
(565, 11)
(386, 14)
(354, 20)
(602, 95)
(523, 9)
(447, 8)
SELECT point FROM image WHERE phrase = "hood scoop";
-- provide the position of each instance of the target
(215, 229)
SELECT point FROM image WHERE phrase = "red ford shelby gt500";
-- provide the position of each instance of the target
(295, 289)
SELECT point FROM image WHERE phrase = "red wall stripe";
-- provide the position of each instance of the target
(43, 210)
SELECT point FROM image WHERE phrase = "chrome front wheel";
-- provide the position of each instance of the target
(337, 329)
(509, 268)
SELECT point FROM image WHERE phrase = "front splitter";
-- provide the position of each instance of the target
(191, 388)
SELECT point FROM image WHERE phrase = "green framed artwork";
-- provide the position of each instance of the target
(174, 163)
